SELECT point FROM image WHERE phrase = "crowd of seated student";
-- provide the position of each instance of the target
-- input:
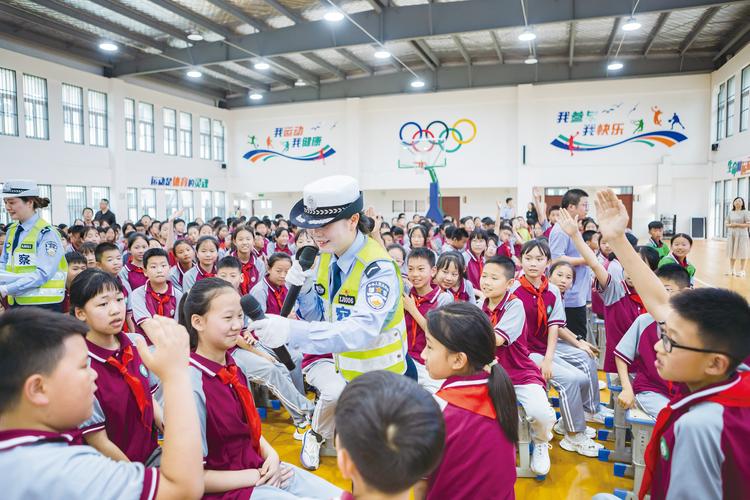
(487, 330)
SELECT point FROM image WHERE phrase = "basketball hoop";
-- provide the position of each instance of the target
(420, 165)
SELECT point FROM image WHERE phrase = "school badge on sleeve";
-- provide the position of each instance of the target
(376, 294)
(664, 449)
(143, 370)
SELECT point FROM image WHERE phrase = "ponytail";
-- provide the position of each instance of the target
(503, 397)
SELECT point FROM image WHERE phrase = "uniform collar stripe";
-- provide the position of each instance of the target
(463, 383)
(100, 359)
(202, 368)
(704, 393)
(22, 440)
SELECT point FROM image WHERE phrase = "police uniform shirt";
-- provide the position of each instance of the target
(49, 252)
(375, 305)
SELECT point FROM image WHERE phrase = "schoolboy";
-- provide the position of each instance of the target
(76, 265)
(157, 296)
(656, 233)
(457, 238)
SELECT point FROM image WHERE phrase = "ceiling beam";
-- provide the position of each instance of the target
(422, 55)
(295, 70)
(356, 61)
(612, 36)
(399, 23)
(239, 14)
(571, 42)
(701, 23)
(284, 80)
(462, 49)
(339, 73)
(377, 7)
(496, 44)
(141, 18)
(192, 16)
(655, 32)
(189, 86)
(281, 9)
(250, 82)
(430, 53)
(737, 40)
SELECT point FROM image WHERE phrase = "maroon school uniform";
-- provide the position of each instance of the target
(509, 320)
(544, 308)
(284, 249)
(462, 294)
(123, 406)
(622, 305)
(474, 267)
(135, 275)
(478, 461)
(415, 334)
(250, 274)
(275, 298)
(148, 303)
(506, 250)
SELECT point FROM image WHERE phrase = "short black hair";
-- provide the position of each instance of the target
(676, 274)
(229, 262)
(101, 248)
(655, 224)
(398, 247)
(507, 265)
(154, 252)
(88, 247)
(649, 255)
(77, 229)
(276, 257)
(572, 197)
(422, 253)
(721, 317)
(89, 284)
(479, 234)
(455, 258)
(536, 243)
(682, 235)
(508, 199)
(397, 231)
(588, 235)
(392, 428)
(75, 258)
(31, 342)
(458, 233)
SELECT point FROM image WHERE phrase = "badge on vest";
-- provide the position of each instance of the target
(376, 294)
(664, 449)
(320, 289)
(51, 248)
(143, 371)
(347, 300)
(26, 246)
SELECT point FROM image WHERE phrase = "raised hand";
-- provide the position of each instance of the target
(612, 215)
(568, 224)
(171, 346)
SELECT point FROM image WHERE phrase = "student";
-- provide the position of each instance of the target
(507, 315)
(560, 363)
(271, 291)
(398, 254)
(48, 388)
(655, 233)
(126, 416)
(303, 239)
(238, 461)
(88, 250)
(506, 248)
(76, 265)
(221, 232)
(422, 298)
(253, 268)
(554, 212)
(457, 238)
(417, 237)
(389, 435)
(91, 235)
(158, 297)
(132, 272)
(184, 261)
(698, 446)
(398, 235)
(474, 256)
(192, 232)
(109, 260)
(680, 247)
(480, 409)
(207, 253)
(281, 243)
(451, 277)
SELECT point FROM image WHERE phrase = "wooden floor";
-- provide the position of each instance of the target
(572, 476)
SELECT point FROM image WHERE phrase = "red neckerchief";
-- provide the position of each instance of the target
(160, 299)
(247, 272)
(457, 293)
(203, 275)
(657, 245)
(683, 263)
(736, 396)
(277, 294)
(135, 269)
(284, 249)
(479, 260)
(132, 381)
(229, 375)
(418, 301)
(496, 313)
(470, 395)
(541, 309)
(635, 298)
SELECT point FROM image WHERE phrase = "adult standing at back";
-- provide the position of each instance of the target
(34, 256)
(507, 212)
(738, 240)
(576, 202)
(105, 214)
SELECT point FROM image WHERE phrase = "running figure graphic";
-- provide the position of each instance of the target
(638, 125)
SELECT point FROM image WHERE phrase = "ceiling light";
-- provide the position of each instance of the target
(631, 25)
(417, 84)
(195, 37)
(527, 35)
(333, 16)
(614, 66)
(300, 83)
(530, 60)
(108, 46)
(194, 73)
(256, 96)
(261, 65)
(382, 54)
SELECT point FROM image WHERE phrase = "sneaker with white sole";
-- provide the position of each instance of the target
(581, 444)
(540, 463)
(600, 416)
(299, 430)
(602, 385)
(559, 428)
(310, 455)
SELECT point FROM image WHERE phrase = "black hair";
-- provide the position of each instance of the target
(88, 247)
(74, 257)
(463, 327)
(422, 253)
(589, 220)
(177, 221)
(649, 255)
(681, 235)
(397, 231)
(191, 224)
(721, 317)
(365, 225)
(198, 301)
(508, 199)
(178, 243)
(536, 243)
(455, 258)
(463, 220)
(458, 233)
(31, 342)
(154, 252)
(88, 285)
(125, 231)
(655, 224)
(87, 208)
(241, 228)
(588, 235)
(134, 237)
(280, 230)
(276, 257)
(229, 262)
(392, 428)
(507, 265)
(572, 197)
(674, 273)
(104, 247)
(421, 229)
(741, 199)
(479, 234)
(204, 239)
(398, 247)
(88, 229)
(562, 263)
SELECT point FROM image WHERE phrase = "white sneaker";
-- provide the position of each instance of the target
(310, 455)
(581, 444)
(559, 428)
(600, 416)
(540, 463)
(602, 385)
(740, 274)
(299, 430)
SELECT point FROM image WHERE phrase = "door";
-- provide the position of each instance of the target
(452, 206)
(627, 200)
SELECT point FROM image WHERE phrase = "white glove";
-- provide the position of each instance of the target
(273, 330)
(3, 290)
(297, 277)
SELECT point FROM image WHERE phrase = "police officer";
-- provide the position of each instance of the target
(34, 256)
(351, 303)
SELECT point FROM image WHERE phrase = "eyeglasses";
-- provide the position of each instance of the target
(670, 344)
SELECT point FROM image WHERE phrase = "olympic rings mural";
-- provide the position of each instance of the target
(437, 133)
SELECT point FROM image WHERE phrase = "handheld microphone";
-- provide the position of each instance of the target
(306, 257)
(254, 311)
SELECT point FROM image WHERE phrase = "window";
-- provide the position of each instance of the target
(133, 204)
(171, 202)
(728, 196)
(205, 129)
(72, 102)
(718, 213)
(146, 127)
(745, 99)
(220, 204)
(35, 107)
(186, 135)
(148, 202)
(730, 107)
(130, 124)
(97, 194)
(170, 133)
(721, 103)
(8, 103)
(97, 118)
(186, 203)
(76, 197)
(45, 191)
(207, 210)
(218, 130)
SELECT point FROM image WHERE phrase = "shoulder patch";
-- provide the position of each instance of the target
(376, 294)
(372, 270)
(44, 231)
(50, 248)
(320, 289)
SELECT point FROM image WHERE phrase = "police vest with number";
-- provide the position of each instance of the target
(388, 350)
(23, 260)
